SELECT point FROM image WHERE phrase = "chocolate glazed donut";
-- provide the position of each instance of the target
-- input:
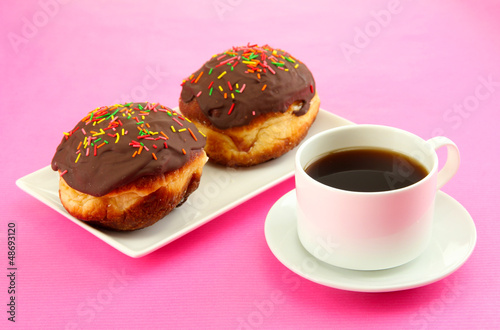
(245, 89)
(126, 166)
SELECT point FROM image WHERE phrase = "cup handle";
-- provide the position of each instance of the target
(452, 160)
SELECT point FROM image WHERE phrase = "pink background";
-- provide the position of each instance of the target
(418, 68)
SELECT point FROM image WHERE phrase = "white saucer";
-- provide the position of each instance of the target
(454, 239)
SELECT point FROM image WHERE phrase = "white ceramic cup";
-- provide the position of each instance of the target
(369, 230)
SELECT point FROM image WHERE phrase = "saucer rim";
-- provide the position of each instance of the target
(366, 287)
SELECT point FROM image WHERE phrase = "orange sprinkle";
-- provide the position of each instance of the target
(79, 145)
(101, 145)
(258, 75)
(154, 156)
(199, 76)
(135, 153)
(225, 95)
(161, 132)
(140, 149)
(192, 134)
(264, 87)
(183, 151)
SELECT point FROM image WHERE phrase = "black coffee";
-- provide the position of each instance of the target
(366, 169)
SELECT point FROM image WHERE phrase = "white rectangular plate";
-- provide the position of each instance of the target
(220, 190)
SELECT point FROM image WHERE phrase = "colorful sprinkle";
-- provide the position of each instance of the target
(199, 76)
(222, 75)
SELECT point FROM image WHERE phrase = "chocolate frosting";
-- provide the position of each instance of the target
(116, 145)
(242, 83)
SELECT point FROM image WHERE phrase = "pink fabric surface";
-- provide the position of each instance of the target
(430, 67)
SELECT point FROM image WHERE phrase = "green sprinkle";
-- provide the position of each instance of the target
(210, 72)
(211, 90)
(97, 140)
(141, 122)
(106, 141)
(278, 64)
(140, 106)
(114, 113)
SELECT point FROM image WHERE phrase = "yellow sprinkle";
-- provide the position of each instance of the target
(221, 89)
(173, 129)
(187, 120)
(237, 87)
(250, 63)
(202, 133)
(221, 75)
(296, 66)
(232, 95)
(123, 131)
(101, 132)
(78, 157)
(182, 130)
(117, 138)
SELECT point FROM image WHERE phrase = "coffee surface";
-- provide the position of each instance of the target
(366, 170)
